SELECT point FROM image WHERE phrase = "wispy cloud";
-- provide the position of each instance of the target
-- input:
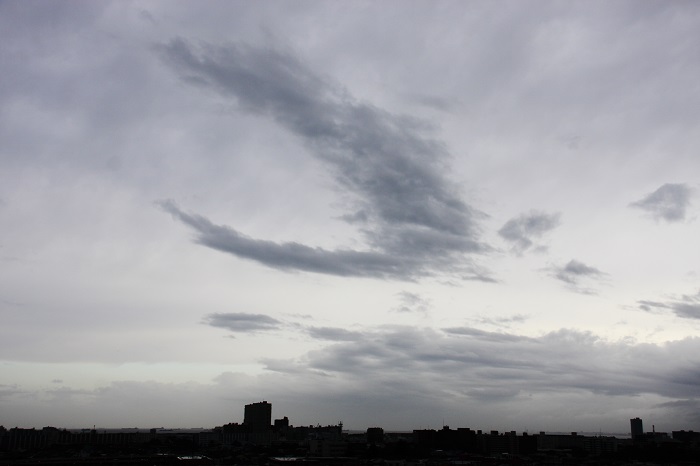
(502, 321)
(412, 302)
(333, 334)
(240, 322)
(670, 202)
(685, 306)
(412, 216)
(577, 275)
(521, 231)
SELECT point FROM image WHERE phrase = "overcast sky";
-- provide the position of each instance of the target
(403, 214)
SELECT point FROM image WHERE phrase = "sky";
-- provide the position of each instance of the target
(404, 214)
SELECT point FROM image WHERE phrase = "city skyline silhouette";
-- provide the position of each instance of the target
(263, 440)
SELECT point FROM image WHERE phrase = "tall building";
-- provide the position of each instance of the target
(258, 416)
(636, 428)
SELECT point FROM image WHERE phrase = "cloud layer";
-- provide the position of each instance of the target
(472, 362)
(476, 364)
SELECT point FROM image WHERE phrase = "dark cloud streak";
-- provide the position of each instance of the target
(294, 256)
(412, 216)
(243, 322)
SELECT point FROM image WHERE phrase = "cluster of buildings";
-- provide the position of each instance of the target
(260, 431)
(258, 428)
(17, 439)
(639, 436)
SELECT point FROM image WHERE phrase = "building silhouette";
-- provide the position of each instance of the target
(258, 416)
(636, 428)
(281, 425)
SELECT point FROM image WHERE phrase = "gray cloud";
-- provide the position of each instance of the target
(243, 322)
(685, 306)
(670, 202)
(689, 404)
(333, 334)
(576, 274)
(413, 218)
(574, 269)
(295, 256)
(474, 332)
(522, 230)
(412, 302)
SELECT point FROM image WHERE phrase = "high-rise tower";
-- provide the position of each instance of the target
(258, 416)
(636, 428)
